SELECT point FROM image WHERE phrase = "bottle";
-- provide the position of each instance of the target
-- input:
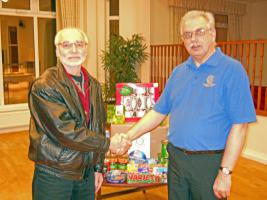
(164, 152)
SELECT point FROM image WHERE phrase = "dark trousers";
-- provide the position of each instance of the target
(47, 186)
(191, 177)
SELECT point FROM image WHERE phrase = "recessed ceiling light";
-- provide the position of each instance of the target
(5, 0)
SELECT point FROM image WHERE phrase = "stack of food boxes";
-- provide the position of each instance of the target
(135, 168)
(148, 172)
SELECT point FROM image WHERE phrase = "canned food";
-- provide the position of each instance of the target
(122, 166)
(113, 166)
(123, 160)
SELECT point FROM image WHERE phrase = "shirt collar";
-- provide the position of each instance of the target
(83, 71)
(212, 61)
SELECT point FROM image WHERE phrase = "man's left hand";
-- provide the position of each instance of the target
(222, 185)
(98, 181)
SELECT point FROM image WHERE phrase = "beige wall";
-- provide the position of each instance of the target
(255, 147)
(135, 18)
(258, 20)
(93, 20)
(160, 22)
(254, 22)
(245, 33)
(88, 23)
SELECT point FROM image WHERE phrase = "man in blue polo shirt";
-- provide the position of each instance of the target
(209, 102)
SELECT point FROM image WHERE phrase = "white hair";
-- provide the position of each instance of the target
(193, 14)
(58, 37)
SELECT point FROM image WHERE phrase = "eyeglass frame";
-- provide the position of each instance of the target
(197, 33)
(84, 44)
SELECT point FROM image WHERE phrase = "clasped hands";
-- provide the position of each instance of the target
(119, 143)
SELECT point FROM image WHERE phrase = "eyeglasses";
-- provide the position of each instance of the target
(198, 33)
(69, 45)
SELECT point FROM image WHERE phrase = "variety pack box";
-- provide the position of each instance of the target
(137, 98)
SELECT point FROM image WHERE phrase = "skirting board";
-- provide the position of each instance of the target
(14, 129)
(254, 155)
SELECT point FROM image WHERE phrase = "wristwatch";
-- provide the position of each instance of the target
(225, 170)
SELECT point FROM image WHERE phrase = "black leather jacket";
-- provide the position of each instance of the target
(60, 138)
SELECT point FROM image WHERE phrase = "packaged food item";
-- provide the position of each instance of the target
(122, 162)
(159, 170)
(110, 113)
(137, 156)
(151, 161)
(119, 117)
(123, 159)
(132, 167)
(136, 168)
(116, 176)
(163, 157)
(138, 98)
(106, 167)
(113, 163)
(122, 166)
(142, 178)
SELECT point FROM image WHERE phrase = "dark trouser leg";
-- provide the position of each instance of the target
(178, 188)
(85, 189)
(191, 177)
(204, 170)
(50, 187)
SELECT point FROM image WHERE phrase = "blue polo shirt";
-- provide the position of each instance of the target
(205, 102)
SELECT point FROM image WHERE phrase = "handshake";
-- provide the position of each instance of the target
(119, 143)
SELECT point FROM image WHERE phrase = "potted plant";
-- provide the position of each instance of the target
(120, 60)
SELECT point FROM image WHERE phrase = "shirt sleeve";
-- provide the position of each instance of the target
(239, 103)
(163, 105)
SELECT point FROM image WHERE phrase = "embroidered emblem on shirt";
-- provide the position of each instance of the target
(209, 81)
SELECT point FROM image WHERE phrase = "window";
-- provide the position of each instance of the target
(12, 49)
(21, 4)
(114, 8)
(113, 17)
(27, 47)
(221, 25)
(47, 5)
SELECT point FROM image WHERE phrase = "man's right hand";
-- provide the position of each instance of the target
(119, 143)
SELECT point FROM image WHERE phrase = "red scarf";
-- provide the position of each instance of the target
(85, 100)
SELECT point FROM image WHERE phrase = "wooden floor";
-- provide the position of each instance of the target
(249, 178)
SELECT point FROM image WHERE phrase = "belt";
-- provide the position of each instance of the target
(209, 152)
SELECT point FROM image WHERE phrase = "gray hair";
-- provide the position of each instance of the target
(208, 16)
(59, 34)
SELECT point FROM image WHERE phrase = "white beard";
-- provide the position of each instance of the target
(75, 63)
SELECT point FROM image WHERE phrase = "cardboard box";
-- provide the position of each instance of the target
(156, 135)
